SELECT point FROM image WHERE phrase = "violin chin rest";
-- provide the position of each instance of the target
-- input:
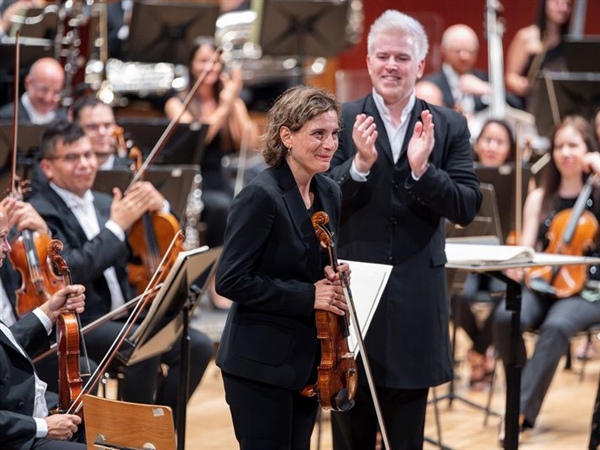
(342, 402)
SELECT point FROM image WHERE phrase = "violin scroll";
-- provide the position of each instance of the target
(319, 220)
(54, 248)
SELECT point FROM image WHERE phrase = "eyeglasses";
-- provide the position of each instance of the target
(45, 90)
(97, 126)
(73, 157)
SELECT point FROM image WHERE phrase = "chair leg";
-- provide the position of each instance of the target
(568, 358)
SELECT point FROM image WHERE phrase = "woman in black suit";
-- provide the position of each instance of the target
(276, 273)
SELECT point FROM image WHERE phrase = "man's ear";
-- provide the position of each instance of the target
(47, 168)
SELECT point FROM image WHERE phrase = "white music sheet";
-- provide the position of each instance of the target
(367, 283)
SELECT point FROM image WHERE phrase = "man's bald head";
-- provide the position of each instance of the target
(460, 46)
(44, 84)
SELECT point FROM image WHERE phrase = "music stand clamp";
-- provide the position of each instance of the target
(168, 320)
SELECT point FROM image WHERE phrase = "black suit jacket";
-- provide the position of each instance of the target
(270, 262)
(391, 219)
(87, 259)
(17, 383)
(7, 113)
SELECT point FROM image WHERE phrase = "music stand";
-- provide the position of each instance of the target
(165, 31)
(173, 182)
(581, 53)
(27, 149)
(301, 27)
(503, 179)
(29, 53)
(184, 146)
(106, 180)
(168, 320)
(37, 23)
(562, 94)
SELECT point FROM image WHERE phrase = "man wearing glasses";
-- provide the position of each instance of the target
(97, 120)
(40, 103)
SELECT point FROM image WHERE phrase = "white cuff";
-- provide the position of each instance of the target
(41, 315)
(41, 428)
(116, 229)
(356, 175)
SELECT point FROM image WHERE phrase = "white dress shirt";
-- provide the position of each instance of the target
(36, 117)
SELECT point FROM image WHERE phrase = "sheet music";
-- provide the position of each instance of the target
(368, 281)
(482, 254)
(485, 258)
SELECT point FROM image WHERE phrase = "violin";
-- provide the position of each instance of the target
(571, 232)
(337, 375)
(70, 384)
(28, 256)
(29, 249)
(148, 238)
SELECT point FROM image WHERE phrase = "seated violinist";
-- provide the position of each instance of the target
(97, 120)
(556, 316)
(93, 227)
(24, 419)
(19, 296)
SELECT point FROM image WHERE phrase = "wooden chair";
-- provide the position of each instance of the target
(122, 424)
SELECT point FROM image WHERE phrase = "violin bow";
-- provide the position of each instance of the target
(127, 326)
(320, 219)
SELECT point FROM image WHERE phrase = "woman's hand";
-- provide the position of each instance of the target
(329, 296)
(591, 162)
(516, 274)
(343, 270)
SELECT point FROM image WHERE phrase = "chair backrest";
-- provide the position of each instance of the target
(124, 424)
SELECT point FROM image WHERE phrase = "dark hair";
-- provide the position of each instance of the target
(87, 101)
(542, 20)
(59, 132)
(512, 152)
(551, 177)
(293, 109)
(202, 41)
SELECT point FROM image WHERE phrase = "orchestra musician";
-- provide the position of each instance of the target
(575, 157)
(98, 122)
(494, 146)
(404, 166)
(92, 227)
(24, 419)
(40, 103)
(216, 102)
(464, 88)
(536, 47)
(430, 92)
(276, 273)
(22, 216)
